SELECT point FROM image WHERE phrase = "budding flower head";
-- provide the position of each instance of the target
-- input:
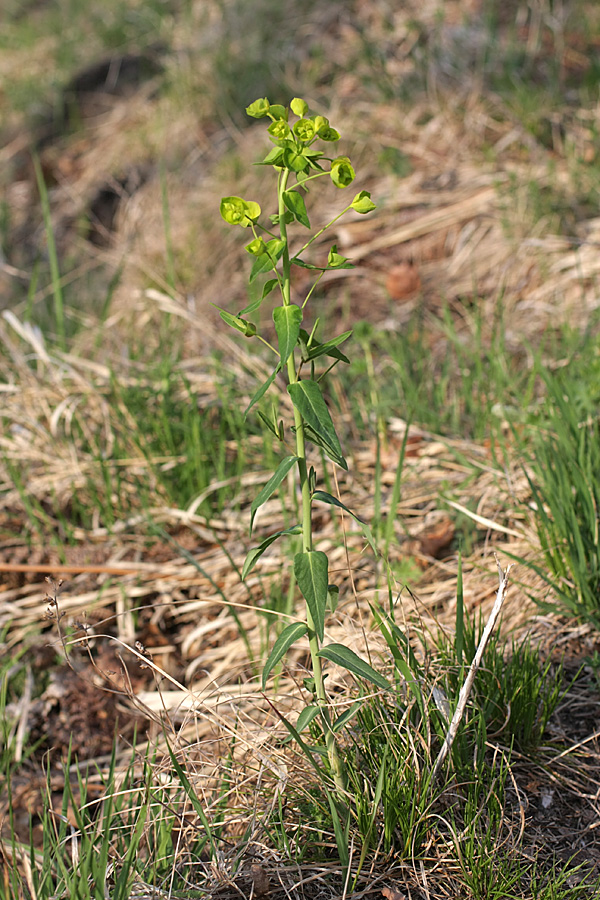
(324, 129)
(256, 247)
(305, 130)
(236, 211)
(362, 203)
(342, 173)
(279, 129)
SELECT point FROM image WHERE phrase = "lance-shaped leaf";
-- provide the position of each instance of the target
(324, 497)
(255, 304)
(288, 636)
(346, 716)
(346, 658)
(257, 552)
(317, 349)
(287, 325)
(271, 486)
(262, 389)
(307, 398)
(333, 596)
(331, 452)
(296, 205)
(311, 570)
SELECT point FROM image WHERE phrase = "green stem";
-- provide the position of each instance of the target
(321, 230)
(335, 761)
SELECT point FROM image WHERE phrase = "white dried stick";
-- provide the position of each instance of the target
(468, 683)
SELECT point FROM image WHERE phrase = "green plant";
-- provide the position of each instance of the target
(298, 164)
(565, 487)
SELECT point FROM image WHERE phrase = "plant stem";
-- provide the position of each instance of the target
(335, 761)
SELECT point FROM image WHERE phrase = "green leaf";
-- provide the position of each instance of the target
(193, 796)
(333, 596)
(296, 261)
(307, 715)
(348, 659)
(233, 321)
(268, 286)
(273, 158)
(317, 349)
(336, 261)
(278, 111)
(316, 439)
(345, 717)
(307, 398)
(289, 635)
(252, 307)
(259, 109)
(262, 389)
(296, 205)
(295, 160)
(287, 325)
(267, 261)
(299, 107)
(324, 497)
(246, 328)
(271, 486)
(256, 552)
(311, 570)
(272, 426)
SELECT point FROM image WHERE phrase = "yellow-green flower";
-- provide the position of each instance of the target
(342, 173)
(236, 211)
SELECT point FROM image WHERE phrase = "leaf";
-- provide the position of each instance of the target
(271, 425)
(262, 389)
(309, 713)
(233, 321)
(333, 596)
(345, 717)
(271, 486)
(317, 349)
(299, 106)
(311, 570)
(296, 261)
(311, 435)
(267, 261)
(289, 635)
(259, 109)
(254, 555)
(251, 307)
(324, 497)
(307, 398)
(296, 205)
(348, 659)
(268, 287)
(336, 261)
(287, 325)
(273, 158)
